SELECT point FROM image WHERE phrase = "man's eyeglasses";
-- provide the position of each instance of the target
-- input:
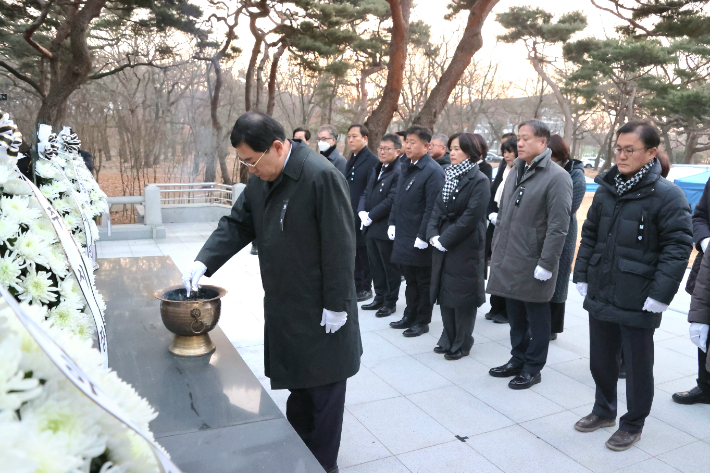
(257, 161)
(627, 151)
(385, 150)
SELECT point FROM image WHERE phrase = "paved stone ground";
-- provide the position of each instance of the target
(407, 407)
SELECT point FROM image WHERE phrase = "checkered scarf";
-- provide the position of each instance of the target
(453, 175)
(622, 187)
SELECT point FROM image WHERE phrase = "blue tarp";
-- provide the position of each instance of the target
(591, 185)
(693, 187)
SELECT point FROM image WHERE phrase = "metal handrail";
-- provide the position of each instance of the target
(195, 193)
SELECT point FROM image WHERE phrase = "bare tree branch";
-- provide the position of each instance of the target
(23, 78)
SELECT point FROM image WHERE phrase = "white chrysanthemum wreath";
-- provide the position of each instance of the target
(33, 265)
(47, 424)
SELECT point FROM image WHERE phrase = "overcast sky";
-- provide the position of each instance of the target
(512, 57)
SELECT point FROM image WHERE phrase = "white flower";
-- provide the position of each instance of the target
(16, 186)
(9, 228)
(62, 205)
(57, 261)
(15, 389)
(32, 248)
(17, 208)
(72, 221)
(36, 287)
(7, 172)
(67, 316)
(43, 227)
(46, 170)
(10, 269)
(50, 191)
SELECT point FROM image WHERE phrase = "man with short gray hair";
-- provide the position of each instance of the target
(438, 150)
(328, 147)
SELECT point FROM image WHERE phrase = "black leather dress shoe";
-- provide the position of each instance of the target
(385, 312)
(553, 336)
(457, 355)
(416, 330)
(374, 305)
(254, 250)
(489, 315)
(364, 295)
(592, 423)
(694, 396)
(439, 350)
(404, 322)
(622, 440)
(501, 318)
(505, 371)
(525, 380)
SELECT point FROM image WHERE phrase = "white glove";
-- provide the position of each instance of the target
(420, 244)
(364, 219)
(582, 288)
(332, 321)
(435, 243)
(704, 244)
(390, 232)
(699, 335)
(652, 305)
(193, 275)
(542, 274)
(493, 217)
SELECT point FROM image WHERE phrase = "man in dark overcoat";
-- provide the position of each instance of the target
(297, 208)
(632, 257)
(361, 162)
(700, 393)
(374, 211)
(328, 147)
(419, 185)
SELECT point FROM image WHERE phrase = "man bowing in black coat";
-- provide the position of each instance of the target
(297, 208)
(374, 211)
(419, 185)
(361, 162)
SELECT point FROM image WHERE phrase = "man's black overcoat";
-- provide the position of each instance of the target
(359, 167)
(378, 198)
(303, 225)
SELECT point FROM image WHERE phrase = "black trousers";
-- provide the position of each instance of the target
(606, 341)
(529, 333)
(557, 317)
(363, 280)
(386, 275)
(417, 294)
(497, 304)
(703, 375)
(458, 328)
(316, 414)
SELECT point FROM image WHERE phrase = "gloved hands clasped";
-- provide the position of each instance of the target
(652, 305)
(332, 321)
(192, 275)
(435, 243)
(365, 220)
(420, 244)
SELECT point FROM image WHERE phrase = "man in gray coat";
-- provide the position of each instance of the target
(531, 228)
(297, 207)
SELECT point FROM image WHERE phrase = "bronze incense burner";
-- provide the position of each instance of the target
(190, 317)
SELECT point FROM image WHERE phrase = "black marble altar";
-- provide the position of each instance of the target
(214, 415)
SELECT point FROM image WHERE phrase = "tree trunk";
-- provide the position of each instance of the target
(75, 70)
(690, 147)
(630, 105)
(260, 77)
(561, 100)
(364, 74)
(272, 78)
(667, 142)
(471, 41)
(249, 79)
(381, 117)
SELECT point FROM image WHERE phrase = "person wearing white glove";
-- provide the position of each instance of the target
(307, 251)
(332, 321)
(420, 244)
(191, 277)
(704, 244)
(493, 217)
(699, 313)
(390, 232)
(634, 251)
(582, 288)
(435, 243)
(420, 183)
(364, 219)
(541, 274)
